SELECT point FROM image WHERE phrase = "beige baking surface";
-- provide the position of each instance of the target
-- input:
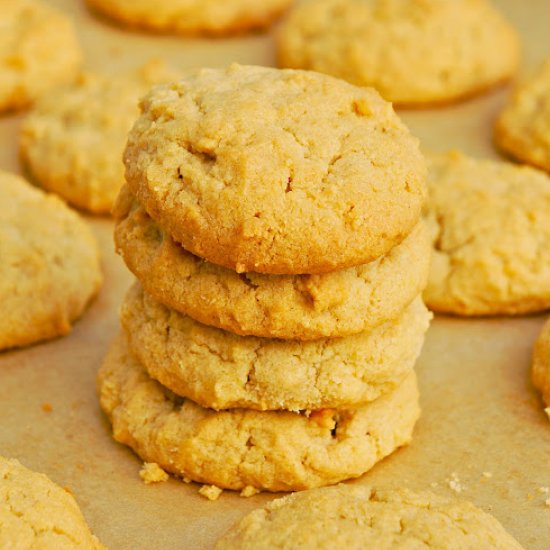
(480, 413)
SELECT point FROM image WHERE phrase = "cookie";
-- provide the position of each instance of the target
(490, 222)
(192, 16)
(38, 51)
(282, 172)
(541, 365)
(272, 450)
(356, 517)
(220, 370)
(413, 52)
(73, 139)
(50, 264)
(523, 127)
(35, 513)
(300, 307)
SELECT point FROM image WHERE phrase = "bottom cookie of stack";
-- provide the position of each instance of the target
(233, 449)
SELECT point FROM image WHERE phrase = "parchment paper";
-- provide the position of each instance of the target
(482, 431)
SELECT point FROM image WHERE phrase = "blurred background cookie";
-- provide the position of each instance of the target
(50, 264)
(356, 517)
(72, 141)
(490, 223)
(38, 51)
(414, 52)
(541, 365)
(192, 16)
(523, 128)
(35, 513)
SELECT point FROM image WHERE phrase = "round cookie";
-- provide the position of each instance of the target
(523, 127)
(490, 223)
(192, 16)
(35, 513)
(541, 365)
(299, 307)
(72, 141)
(358, 517)
(282, 172)
(220, 370)
(271, 450)
(413, 52)
(38, 51)
(50, 264)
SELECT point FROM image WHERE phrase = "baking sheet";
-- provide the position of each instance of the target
(482, 436)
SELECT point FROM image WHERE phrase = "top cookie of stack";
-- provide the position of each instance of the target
(279, 172)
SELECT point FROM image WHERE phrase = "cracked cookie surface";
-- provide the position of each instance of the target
(192, 16)
(413, 52)
(37, 514)
(357, 517)
(541, 365)
(50, 264)
(299, 307)
(271, 450)
(220, 370)
(38, 51)
(271, 171)
(523, 127)
(490, 223)
(72, 141)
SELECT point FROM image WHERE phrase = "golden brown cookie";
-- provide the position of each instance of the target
(215, 17)
(414, 52)
(37, 514)
(38, 51)
(356, 517)
(541, 365)
(220, 370)
(73, 139)
(50, 264)
(271, 171)
(490, 223)
(523, 127)
(271, 450)
(192, 16)
(300, 307)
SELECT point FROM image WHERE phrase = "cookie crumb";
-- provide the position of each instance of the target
(211, 492)
(547, 502)
(249, 491)
(543, 490)
(488, 475)
(185, 479)
(547, 411)
(47, 407)
(454, 483)
(151, 472)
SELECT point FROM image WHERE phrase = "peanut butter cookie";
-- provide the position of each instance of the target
(50, 264)
(414, 52)
(220, 370)
(38, 51)
(283, 172)
(358, 517)
(271, 450)
(299, 307)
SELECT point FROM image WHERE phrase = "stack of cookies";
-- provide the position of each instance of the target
(272, 218)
